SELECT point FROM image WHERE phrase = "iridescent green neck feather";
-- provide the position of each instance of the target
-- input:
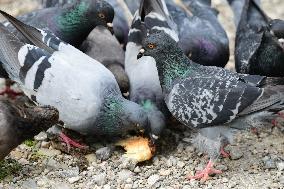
(172, 66)
(119, 115)
(74, 21)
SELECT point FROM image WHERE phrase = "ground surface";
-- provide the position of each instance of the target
(256, 162)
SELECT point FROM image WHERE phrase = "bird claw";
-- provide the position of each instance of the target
(10, 92)
(205, 173)
(70, 142)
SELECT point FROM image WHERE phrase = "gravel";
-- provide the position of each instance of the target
(255, 162)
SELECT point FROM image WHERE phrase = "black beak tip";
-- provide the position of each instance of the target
(139, 55)
(111, 30)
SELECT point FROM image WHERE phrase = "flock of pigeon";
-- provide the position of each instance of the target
(106, 67)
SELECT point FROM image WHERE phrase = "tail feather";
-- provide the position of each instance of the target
(156, 17)
(9, 48)
(43, 39)
(272, 97)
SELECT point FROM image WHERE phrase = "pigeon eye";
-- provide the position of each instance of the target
(151, 46)
(101, 15)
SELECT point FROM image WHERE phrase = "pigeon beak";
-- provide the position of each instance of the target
(153, 138)
(110, 27)
(141, 53)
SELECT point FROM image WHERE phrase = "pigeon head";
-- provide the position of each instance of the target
(156, 119)
(157, 43)
(277, 27)
(157, 123)
(101, 13)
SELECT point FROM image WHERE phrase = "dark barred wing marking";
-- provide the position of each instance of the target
(204, 101)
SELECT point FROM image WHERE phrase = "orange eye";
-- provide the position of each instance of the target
(101, 15)
(151, 46)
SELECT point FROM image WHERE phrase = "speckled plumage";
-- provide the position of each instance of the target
(19, 123)
(257, 49)
(202, 38)
(205, 96)
(81, 88)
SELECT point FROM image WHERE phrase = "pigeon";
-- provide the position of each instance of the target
(201, 36)
(104, 47)
(55, 73)
(72, 23)
(55, 3)
(145, 88)
(19, 123)
(133, 5)
(121, 21)
(206, 97)
(259, 48)
(101, 45)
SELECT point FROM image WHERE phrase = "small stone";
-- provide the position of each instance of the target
(180, 164)
(41, 136)
(225, 180)
(221, 167)
(103, 153)
(16, 154)
(235, 153)
(153, 179)
(187, 140)
(52, 164)
(100, 179)
(280, 166)
(74, 179)
(29, 184)
(127, 163)
(269, 164)
(45, 144)
(164, 172)
(49, 152)
(128, 186)
(281, 180)
(107, 186)
(62, 186)
(124, 174)
(91, 158)
(189, 149)
(137, 169)
(23, 161)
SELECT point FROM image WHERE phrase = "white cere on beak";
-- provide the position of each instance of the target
(155, 137)
(110, 24)
(142, 51)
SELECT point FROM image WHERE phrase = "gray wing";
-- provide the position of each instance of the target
(202, 101)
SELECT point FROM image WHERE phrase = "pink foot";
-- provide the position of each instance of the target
(11, 93)
(255, 131)
(281, 114)
(274, 123)
(69, 142)
(204, 174)
(224, 153)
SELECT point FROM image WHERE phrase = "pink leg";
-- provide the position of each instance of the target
(69, 142)
(11, 93)
(281, 114)
(255, 131)
(224, 153)
(274, 123)
(204, 174)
